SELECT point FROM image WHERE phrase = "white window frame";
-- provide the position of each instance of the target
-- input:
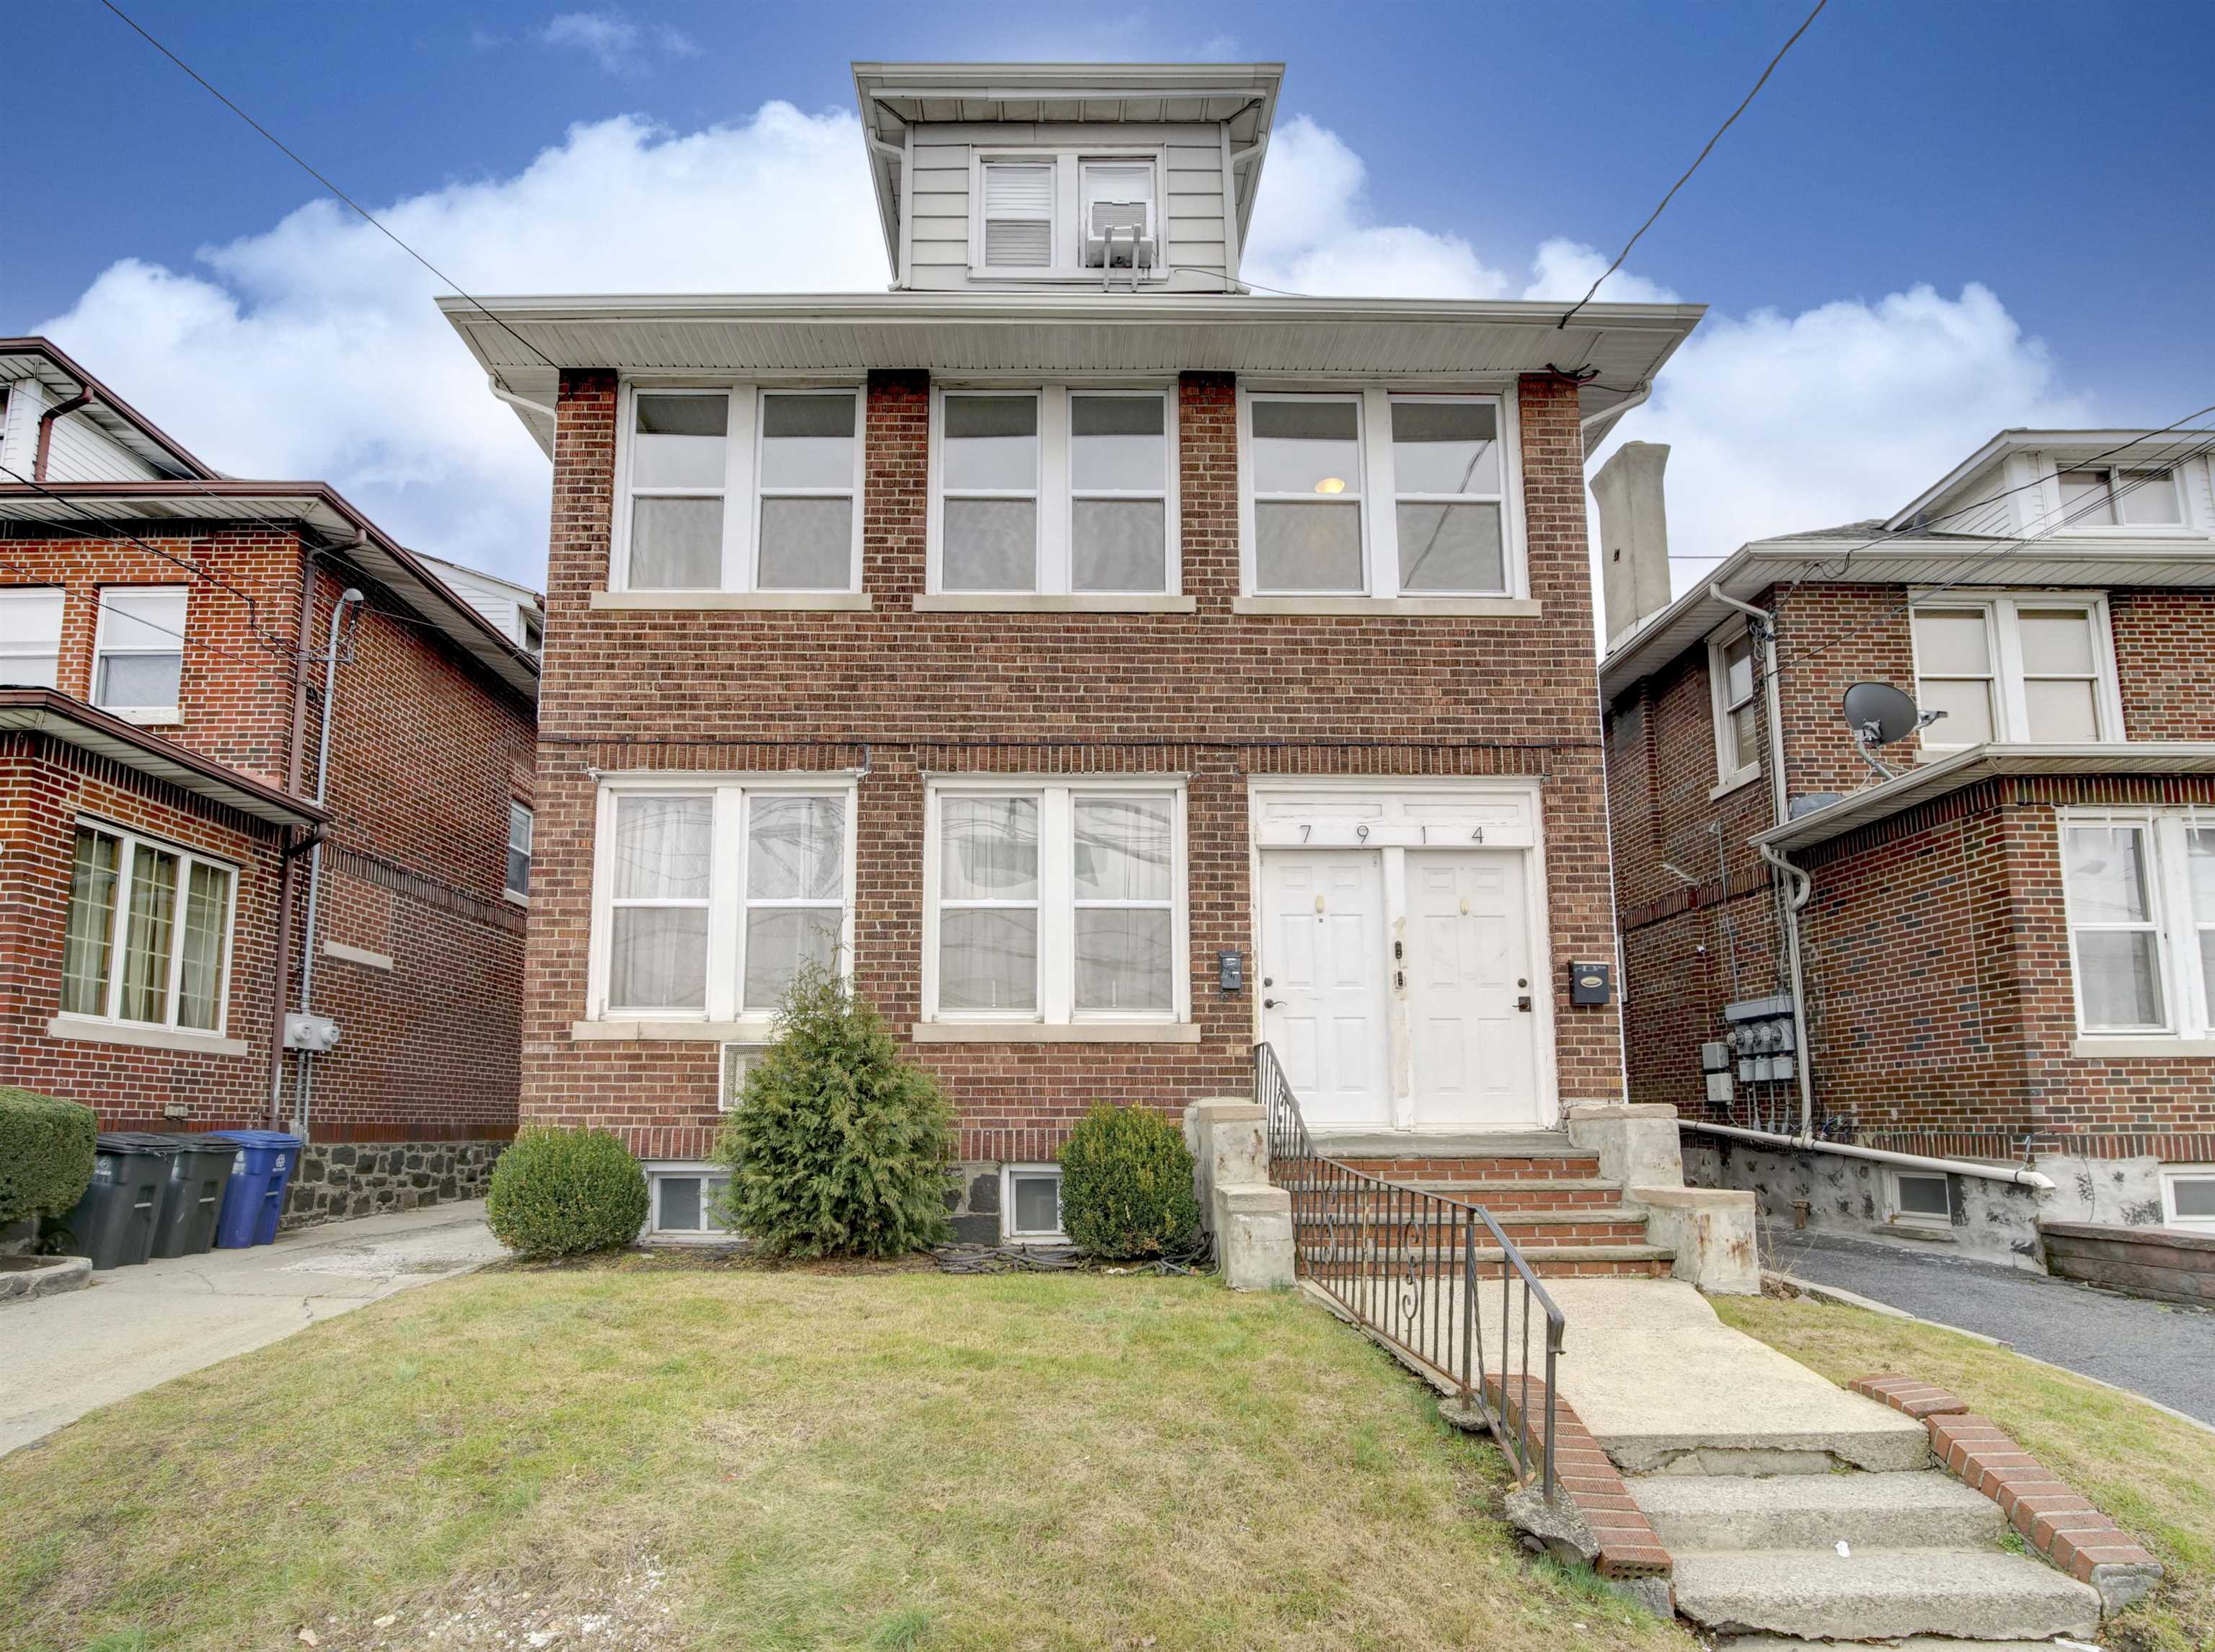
(1057, 896)
(2003, 645)
(1379, 498)
(2170, 1176)
(723, 1016)
(2175, 927)
(657, 1170)
(1067, 259)
(41, 595)
(119, 931)
(2188, 523)
(1053, 492)
(741, 492)
(518, 809)
(1900, 1216)
(151, 715)
(1010, 1233)
(1729, 774)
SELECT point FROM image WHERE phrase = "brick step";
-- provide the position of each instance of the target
(1546, 1166)
(1583, 1261)
(1430, 1228)
(1567, 1193)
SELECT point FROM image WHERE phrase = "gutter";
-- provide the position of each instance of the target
(492, 382)
(2033, 1179)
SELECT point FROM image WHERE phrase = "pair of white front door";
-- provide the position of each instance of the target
(1397, 987)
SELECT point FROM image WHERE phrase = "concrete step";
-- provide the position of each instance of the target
(1881, 1594)
(1564, 1260)
(1927, 1510)
(1913, 1643)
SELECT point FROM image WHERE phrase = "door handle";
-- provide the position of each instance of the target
(1523, 1003)
(1268, 1004)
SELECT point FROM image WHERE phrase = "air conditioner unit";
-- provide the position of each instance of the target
(1120, 235)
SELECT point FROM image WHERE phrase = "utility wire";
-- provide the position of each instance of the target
(1695, 165)
(366, 216)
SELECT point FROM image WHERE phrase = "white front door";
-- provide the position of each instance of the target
(1472, 1001)
(1324, 993)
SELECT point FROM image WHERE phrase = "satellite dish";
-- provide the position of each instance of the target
(1878, 713)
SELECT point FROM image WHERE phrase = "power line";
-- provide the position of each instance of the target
(366, 216)
(1695, 165)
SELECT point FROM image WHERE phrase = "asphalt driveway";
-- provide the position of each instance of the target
(62, 1356)
(2162, 1350)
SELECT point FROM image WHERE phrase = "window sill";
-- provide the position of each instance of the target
(1744, 777)
(1036, 1032)
(82, 1029)
(515, 899)
(981, 602)
(2147, 1044)
(755, 1031)
(155, 716)
(667, 602)
(1400, 607)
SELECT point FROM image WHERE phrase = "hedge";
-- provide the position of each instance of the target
(1127, 1186)
(560, 1193)
(46, 1154)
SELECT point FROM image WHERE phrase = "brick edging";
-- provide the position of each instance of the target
(1587, 1476)
(2057, 1520)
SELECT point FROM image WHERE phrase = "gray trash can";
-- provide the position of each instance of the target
(200, 1170)
(113, 1223)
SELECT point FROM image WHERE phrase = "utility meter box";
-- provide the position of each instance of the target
(317, 1034)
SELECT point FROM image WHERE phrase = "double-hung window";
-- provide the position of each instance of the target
(1736, 716)
(148, 936)
(741, 489)
(30, 636)
(1064, 215)
(710, 894)
(2140, 895)
(138, 657)
(1053, 492)
(1379, 494)
(2017, 668)
(1056, 903)
(2120, 497)
(519, 823)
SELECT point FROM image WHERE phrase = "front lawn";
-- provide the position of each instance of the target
(644, 1456)
(2149, 1472)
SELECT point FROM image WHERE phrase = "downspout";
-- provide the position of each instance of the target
(288, 876)
(303, 1089)
(60, 410)
(1797, 884)
(515, 400)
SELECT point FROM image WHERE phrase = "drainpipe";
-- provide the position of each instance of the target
(288, 876)
(305, 1085)
(515, 400)
(60, 410)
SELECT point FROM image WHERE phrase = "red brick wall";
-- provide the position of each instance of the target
(1217, 697)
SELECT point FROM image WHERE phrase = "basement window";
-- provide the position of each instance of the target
(1922, 1198)
(684, 1198)
(2188, 1196)
(1030, 1197)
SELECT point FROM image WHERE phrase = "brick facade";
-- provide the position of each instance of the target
(1218, 697)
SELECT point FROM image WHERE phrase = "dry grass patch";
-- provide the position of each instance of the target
(2151, 1473)
(797, 1459)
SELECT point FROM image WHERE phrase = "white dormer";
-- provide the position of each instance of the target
(1050, 176)
(2101, 485)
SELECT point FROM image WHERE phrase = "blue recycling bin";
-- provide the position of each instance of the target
(253, 1199)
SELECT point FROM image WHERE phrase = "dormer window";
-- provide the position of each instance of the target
(1018, 214)
(2120, 498)
(1117, 199)
(1064, 214)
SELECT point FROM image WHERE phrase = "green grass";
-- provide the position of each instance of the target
(787, 1459)
(2151, 1473)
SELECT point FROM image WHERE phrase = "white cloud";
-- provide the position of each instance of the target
(618, 43)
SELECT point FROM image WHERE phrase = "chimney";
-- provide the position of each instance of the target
(1634, 536)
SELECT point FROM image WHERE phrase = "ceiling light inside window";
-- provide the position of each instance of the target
(1331, 485)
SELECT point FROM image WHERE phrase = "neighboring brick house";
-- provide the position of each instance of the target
(162, 639)
(2004, 949)
(1110, 667)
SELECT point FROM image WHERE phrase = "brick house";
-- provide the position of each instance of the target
(1107, 666)
(163, 632)
(2001, 956)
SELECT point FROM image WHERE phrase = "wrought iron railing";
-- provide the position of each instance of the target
(1415, 1269)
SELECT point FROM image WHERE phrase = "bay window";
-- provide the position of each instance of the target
(2024, 668)
(147, 940)
(710, 894)
(1056, 903)
(2140, 896)
(1378, 494)
(741, 488)
(1054, 493)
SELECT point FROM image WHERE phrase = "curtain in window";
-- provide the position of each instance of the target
(91, 924)
(795, 890)
(988, 953)
(659, 958)
(200, 988)
(148, 937)
(2118, 951)
(1123, 903)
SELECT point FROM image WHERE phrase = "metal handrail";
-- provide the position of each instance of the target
(1403, 1263)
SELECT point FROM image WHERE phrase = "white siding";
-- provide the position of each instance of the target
(79, 450)
(500, 601)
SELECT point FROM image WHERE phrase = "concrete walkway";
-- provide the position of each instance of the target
(2162, 1350)
(133, 1328)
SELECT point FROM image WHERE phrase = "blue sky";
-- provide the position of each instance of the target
(2029, 165)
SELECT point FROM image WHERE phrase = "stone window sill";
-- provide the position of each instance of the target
(967, 602)
(2155, 1046)
(667, 602)
(755, 1031)
(82, 1030)
(1033, 1032)
(361, 955)
(1395, 607)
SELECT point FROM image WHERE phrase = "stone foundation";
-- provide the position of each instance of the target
(344, 1179)
(974, 1204)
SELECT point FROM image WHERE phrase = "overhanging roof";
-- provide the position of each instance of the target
(55, 715)
(2116, 443)
(894, 96)
(1034, 334)
(318, 504)
(116, 419)
(1960, 770)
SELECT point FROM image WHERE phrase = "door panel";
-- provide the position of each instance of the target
(1474, 1058)
(1323, 969)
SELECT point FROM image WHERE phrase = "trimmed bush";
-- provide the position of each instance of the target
(46, 1154)
(838, 1146)
(560, 1192)
(1127, 1186)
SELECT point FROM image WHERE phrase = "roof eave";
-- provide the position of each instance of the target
(103, 397)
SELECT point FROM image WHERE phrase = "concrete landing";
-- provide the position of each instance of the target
(1882, 1595)
(1666, 1387)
